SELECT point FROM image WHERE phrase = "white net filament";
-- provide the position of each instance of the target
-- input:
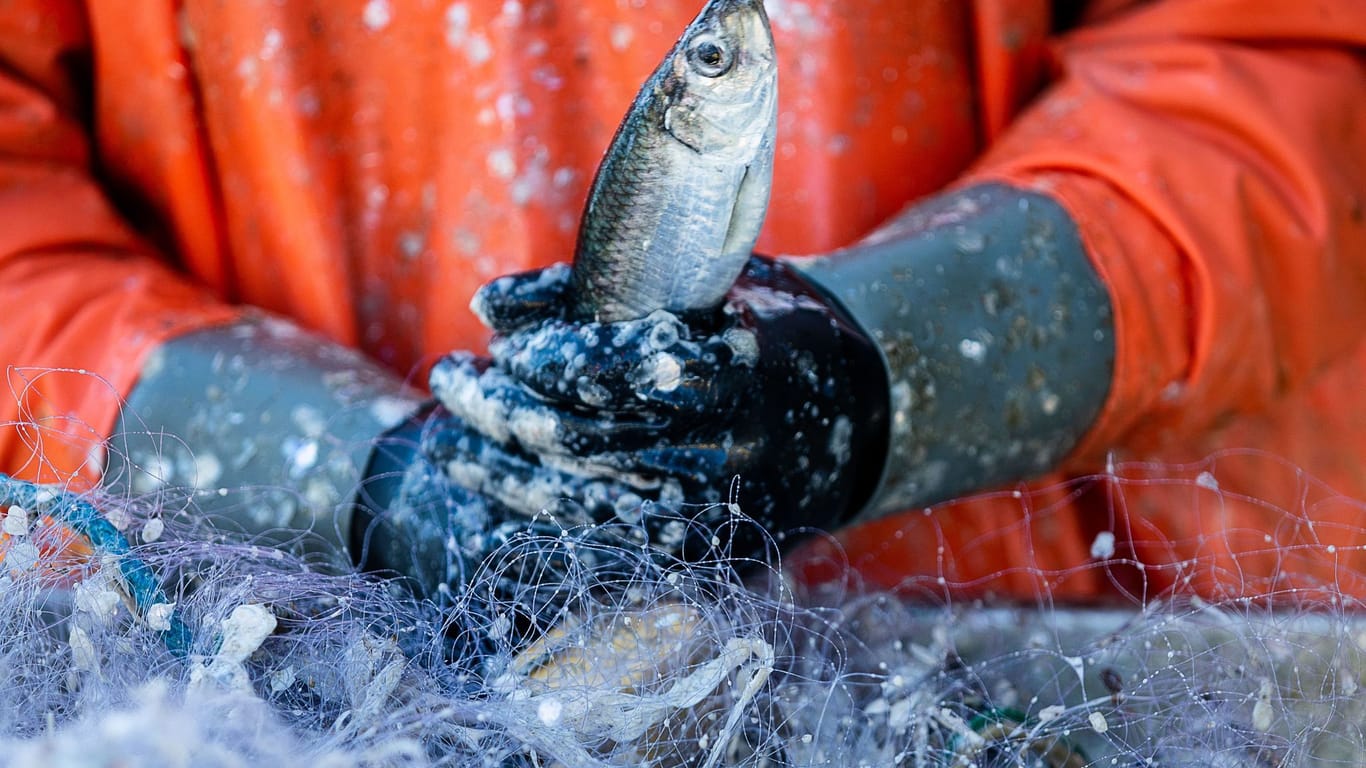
(595, 651)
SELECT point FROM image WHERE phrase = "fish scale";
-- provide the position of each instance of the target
(680, 196)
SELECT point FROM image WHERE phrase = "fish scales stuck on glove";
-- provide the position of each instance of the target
(680, 196)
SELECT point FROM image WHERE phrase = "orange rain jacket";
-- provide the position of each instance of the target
(363, 165)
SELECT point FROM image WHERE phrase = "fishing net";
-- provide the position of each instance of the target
(132, 632)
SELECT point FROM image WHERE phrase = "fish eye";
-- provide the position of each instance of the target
(709, 56)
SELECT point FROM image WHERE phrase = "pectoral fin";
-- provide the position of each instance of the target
(751, 203)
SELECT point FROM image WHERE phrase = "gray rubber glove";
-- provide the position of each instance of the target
(997, 336)
(263, 428)
(264, 431)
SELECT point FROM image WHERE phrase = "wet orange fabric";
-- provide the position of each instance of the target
(363, 165)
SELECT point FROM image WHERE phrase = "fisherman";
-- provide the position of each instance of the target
(1048, 239)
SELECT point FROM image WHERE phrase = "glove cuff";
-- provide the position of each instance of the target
(265, 427)
(860, 395)
(996, 335)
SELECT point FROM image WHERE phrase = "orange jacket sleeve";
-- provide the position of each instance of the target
(85, 299)
(1213, 153)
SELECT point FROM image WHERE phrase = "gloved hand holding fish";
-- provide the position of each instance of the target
(671, 411)
(637, 368)
(647, 369)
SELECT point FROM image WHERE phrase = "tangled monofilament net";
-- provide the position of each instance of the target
(596, 651)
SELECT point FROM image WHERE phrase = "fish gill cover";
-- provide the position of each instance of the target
(574, 646)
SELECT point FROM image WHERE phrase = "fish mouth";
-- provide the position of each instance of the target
(723, 8)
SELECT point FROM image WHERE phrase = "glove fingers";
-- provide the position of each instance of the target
(568, 362)
(499, 406)
(523, 483)
(704, 465)
(584, 491)
(490, 416)
(691, 380)
(644, 365)
(693, 468)
(512, 302)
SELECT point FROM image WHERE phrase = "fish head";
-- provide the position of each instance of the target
(719, 85)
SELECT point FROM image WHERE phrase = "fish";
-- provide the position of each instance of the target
(680, 196)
